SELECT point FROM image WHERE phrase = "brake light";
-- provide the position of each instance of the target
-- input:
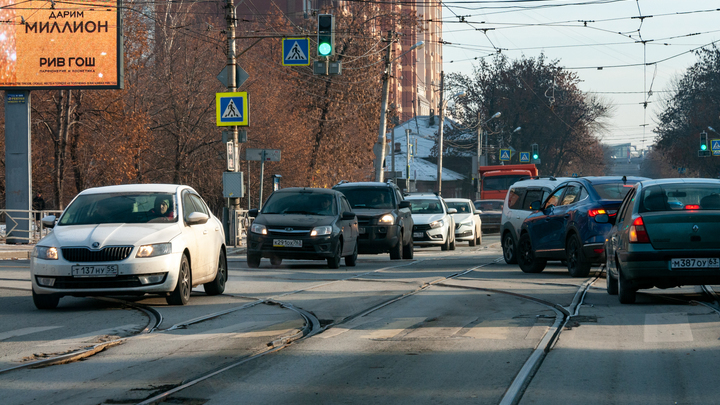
(638, 234)
(594, 212)
(692, 207)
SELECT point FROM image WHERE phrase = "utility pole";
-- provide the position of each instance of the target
(440, 134)
(233, 130)
(392, 152)
(380, 152)
(476, 166)
(407, 160)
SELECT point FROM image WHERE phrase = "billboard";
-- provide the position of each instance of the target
(55, 45)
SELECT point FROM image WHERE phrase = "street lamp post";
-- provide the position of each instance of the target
(443, 104)
(380, 150)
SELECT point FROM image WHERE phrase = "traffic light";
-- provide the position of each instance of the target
(703, 141)
(535, 154)
(326, 35)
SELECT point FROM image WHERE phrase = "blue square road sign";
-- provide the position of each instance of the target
(296, 52)
(231, 109)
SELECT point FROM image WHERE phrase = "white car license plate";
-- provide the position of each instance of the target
(693, 263)
(361, 231)
(110, 270)
(418, 234)
(295, 243)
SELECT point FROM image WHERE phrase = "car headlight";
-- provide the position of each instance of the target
(321, 230)
(45, 252)
(386, 219)
(467, 223)
(258, 228)
(437, 224)
(157, 249)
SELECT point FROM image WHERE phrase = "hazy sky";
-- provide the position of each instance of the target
(587, 35)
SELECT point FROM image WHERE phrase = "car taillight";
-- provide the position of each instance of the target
(594, 212)
(692, 207)
(638, 234)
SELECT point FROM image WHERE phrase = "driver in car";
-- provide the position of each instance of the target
(162, 209)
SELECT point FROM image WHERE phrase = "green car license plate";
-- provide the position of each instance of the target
(695, 263)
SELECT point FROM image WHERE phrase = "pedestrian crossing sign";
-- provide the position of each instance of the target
(715, 147)
(504, 155)
(295, 52)
(524, 157)
(231, 109)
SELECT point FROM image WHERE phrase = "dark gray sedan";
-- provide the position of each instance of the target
(667, 234)
(490, 214)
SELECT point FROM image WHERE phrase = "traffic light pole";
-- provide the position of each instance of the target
(379, 175)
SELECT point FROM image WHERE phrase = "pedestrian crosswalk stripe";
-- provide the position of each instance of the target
(231, 111)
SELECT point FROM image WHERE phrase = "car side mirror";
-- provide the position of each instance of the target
(197, 218)
(48, 221)
(253, 213)
(452, 211)
(404, 204)
(347, 215)
(535, 205)
(602, 218)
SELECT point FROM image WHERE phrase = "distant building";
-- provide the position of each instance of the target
(415, 77)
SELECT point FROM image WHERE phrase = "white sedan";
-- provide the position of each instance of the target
(433, 224)
(130, 240)
(467, 219)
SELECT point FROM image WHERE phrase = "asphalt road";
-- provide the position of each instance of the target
(451, 327)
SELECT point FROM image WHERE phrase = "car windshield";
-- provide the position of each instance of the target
(368, 197)
(113, 208)
(461, 207)
(426, 207)
(613, 191)
(300, 203)
(489, 205)
(676, 197)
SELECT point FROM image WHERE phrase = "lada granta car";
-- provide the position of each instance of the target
(434, 226)
(130, 240)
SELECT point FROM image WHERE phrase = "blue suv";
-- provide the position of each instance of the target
(571, 224)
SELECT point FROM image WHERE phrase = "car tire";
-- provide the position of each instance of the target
(452, 244)
(334, 262)
(409, 250)
(479, 239)
(526, 256)
(275, 261)
(181, 294)
(351, 260)
(217, 286)
(253, 260)
(472, 241)
(610, 280)
(509, 249)
(626, 289)
(577, 265)
(45, 301)
(446, 245)
(396, 251)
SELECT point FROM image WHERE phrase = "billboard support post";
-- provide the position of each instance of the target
(18, 161)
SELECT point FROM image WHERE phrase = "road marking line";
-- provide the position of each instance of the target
(496, 330)
(442, 328)
(391, 329)
(84, 337)
(668, 327)
(25, 331)
(354, 324)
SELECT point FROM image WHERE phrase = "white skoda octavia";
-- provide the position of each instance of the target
(130, 240)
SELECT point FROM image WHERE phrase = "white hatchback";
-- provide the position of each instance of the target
(130, 240)
(468, 225)
(433, 224)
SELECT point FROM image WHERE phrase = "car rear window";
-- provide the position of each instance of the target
(489, 205)
(613, 191)
(677, 197)
(369, 197)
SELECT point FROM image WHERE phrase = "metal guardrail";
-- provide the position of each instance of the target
(24, 226)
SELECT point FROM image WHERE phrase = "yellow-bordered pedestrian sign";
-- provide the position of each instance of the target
(715, 147)
(296, 52)
(231, 109)
(524, 157)
(504, 155)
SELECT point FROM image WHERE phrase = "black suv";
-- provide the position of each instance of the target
(384, 219)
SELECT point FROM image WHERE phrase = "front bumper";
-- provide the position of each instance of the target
(378, 238)
(125, 283)
(464, 232)
(422, 236)
(313, 248)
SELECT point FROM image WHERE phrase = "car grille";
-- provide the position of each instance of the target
(421, 227)
(67, 283)
(364, 221)
(107, 254)
(285, 232)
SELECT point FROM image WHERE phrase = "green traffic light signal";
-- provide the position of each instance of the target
(535, 156)
(703, 147)
(326, 34)
(324, 49)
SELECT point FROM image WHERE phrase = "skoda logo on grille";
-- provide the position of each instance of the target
(696, 228)
(289, 229)
(95, 245)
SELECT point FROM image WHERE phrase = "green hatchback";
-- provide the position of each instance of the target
(666, 234)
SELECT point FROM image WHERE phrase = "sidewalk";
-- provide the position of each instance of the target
(23, 252)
